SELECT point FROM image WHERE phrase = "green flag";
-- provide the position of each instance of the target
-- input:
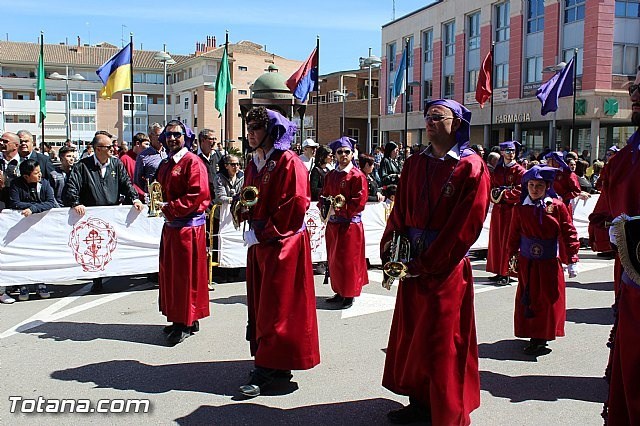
(41, 90)
(223, 83)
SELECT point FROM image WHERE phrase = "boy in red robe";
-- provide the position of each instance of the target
(345, 234)
(183, 276)
(539, 224)
(440, 206)
(505, 194)
(282, 327)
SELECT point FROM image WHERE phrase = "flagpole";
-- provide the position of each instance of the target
(133, 102)
(226, 100)
(406, 92)
(573, 118)
(318, 89)
(42, 118)
(493, 45)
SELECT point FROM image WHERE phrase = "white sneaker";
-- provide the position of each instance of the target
(24, 294)
(5, 298)
(43, 291)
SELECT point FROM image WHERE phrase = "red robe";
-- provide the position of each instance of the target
(345, 241)
(567, 186)
(497, 255)
(620, 195)
(129, 161)
(183, 276)
(541, 286)
(598, 233)
(282, 329)
(432, 354)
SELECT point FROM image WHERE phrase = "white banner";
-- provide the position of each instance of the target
(60, 245)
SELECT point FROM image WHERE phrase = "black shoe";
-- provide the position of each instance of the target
(169, 328)
(283, 375)
(179, 333)
(261, 378)
(336, 298)
(97, 285)
(504, 280)
(347, 302)
(495, 278)
(412, 413)
(536, 347)
(607, 255)
(195, 327)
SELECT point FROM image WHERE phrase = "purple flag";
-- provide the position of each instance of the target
(558, 86)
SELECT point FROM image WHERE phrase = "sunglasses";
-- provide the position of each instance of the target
(343, 152)
(233, 164)
(633, 88)
(108, 147)
(176, 135)
(436, 117)
(509, 151)
(254, 127)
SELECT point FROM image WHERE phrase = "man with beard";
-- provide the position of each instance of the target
(620, 196)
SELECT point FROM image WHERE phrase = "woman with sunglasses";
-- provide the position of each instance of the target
(344, 234)
(323, 165)
(389, 167)
(229, 180)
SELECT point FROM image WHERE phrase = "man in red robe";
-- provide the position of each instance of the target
(344, 233)
(566, 184)
(183, 276)
(620, 196)
(282, 326)
(441, 204)
(505, 194)
(541, 223)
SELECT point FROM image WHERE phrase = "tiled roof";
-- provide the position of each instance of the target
(60, 54)
(244, 46)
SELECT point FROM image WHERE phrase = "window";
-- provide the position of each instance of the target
(140, 102)
(140, 124)
(177, 99)
(472, 80)
(627, 9)
(83, 100)
(535, 16)
(410, 52)
(573, 10)
(310, 133)
(568, 54)
(473, 34)
(449, 39)
(448, 87)
(427, 92)
(83, 123)
(625, 59)
(391, 56)
(427, 43)
(502, 75)
(533, 69)
(354, 134)
(186, 102)
(335, 96)
(242, 92)
(195, 98)
(195, 121)
(374, 137)
(242, 68)
(502, 22)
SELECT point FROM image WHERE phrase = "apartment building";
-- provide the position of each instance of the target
(449, 39)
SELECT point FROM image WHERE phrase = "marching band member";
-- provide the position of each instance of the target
(441, 204)
(183, 276)
(566, 183)
(505, 193)
(540, 223)
(344, 233)
(282, 328)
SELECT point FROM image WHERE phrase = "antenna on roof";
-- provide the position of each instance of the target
(394, 10)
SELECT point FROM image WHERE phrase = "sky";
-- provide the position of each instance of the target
(347, 28)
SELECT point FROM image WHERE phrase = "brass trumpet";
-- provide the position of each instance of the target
(396, 268)
(337, 202)
(155, 199)
(247, 198)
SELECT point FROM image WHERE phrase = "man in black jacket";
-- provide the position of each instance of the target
(99, 180)
(25, 150)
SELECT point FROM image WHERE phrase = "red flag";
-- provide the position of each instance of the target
(484, 88)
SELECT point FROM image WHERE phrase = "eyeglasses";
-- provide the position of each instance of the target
(209, 138)
(233, 164)
(436, 117)
(343, 152)
(5, 141)
(176, 135)
(633, 88)
(107, 147)
(509, 151)
(253, 127)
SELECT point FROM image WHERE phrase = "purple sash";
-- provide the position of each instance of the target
(628, 281)
(337, 219)
(538, 249)
(421, 240)
(195, 219)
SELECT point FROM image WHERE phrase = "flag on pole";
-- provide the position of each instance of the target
(484, 88)
(115, 74)
(305, 80)
(223, 83)
(41, 90)
(399, 82)
(558, 86)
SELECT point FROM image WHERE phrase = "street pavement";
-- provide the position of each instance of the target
(111, 346)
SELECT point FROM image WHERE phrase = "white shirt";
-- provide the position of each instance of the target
(454, 152)
(103, 167)
(308, 162)
(178, 155)
(347, 169)
(261, 162)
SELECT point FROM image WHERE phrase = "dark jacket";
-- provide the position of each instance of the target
(317, 182)
(86, 186)
(25, 196)
(46, 166)
(373, 189)
(212, 169)
(58, 180)
(389, 171)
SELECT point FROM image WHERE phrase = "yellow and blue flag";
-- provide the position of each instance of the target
(116, 72)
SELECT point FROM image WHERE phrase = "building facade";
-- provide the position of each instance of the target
(70, 75)
(449, 39)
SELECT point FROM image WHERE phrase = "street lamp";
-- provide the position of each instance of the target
(370, 62)
(67, 104)
(165, 59)
(344, 97)
(554, 68)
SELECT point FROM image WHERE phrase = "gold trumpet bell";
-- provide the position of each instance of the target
(155, 199)
(339, 201)
(395, 269)
(248, 197)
